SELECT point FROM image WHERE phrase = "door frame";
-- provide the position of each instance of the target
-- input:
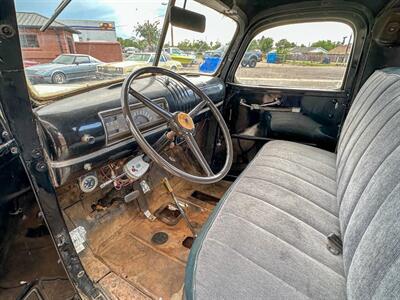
(356, 16)
(16, 108)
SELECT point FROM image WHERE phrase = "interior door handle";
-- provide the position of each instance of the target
(259, 106)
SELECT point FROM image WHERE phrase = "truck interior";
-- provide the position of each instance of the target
(266, 170)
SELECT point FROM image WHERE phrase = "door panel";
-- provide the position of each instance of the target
(309, 117)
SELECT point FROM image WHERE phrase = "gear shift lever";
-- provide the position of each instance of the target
(178, 205)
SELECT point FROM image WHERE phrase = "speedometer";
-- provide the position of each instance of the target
(141, 117)
(115, 125)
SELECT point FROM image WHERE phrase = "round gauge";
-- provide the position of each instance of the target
(88, 183)
(140, 120)
(141, 117)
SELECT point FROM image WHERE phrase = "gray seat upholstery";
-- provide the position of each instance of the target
(267, 238)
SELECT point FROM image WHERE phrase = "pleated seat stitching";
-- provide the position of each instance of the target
(364, 152)
(343, 164)
(283, 211)
(259, 266)
(301, 179)
(284, 242)
(296, 163)
(293, 193)
(355, 103)
(370, 221)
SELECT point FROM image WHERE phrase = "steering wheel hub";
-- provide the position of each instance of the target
(185, 121)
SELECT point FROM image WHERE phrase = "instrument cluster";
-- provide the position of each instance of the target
(116, 128)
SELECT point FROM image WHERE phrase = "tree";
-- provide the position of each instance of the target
(265, 44)
(284, 44)
(282, 48)
(254, 45)
(185, 45)
(148, 32)
(326, 44)
(215, 45)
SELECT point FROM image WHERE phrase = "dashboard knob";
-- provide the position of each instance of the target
(88, 139)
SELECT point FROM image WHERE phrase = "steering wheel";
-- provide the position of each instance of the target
(181, 123)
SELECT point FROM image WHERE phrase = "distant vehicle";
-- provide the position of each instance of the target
(64, 68)
(250, 59)
(213, 58)
(130, 50)
(258, 52)
(135, 61)
(178, 55)
(30, 63)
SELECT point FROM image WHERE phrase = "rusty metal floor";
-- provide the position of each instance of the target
(120, 255)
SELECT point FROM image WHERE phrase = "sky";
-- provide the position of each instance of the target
(127, 13)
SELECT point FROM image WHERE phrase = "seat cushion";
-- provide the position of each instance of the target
(267, 237)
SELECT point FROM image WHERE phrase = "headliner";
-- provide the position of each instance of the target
(253, 7)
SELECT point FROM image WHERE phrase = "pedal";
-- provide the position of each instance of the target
(149, 216)
(168, 214)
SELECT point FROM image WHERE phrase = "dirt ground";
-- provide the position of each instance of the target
(287, 75)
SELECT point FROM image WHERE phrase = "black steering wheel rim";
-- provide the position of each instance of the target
(172, 119)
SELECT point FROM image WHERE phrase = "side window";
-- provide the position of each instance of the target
(312, 55)
(82, 60)
(29, 41)
(162, 58)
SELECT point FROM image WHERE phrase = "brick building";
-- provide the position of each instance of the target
(102, 50)
(40, 46)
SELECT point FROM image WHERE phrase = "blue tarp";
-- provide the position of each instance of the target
(210, 64)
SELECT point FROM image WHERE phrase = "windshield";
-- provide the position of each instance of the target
(64, 59)
(90, 40)
(139, 57)
(200, 52)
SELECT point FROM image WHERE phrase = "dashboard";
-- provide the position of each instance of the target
(88, 130)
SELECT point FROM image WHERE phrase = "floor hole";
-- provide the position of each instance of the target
(159, 238)
(205, 197)
(188, 242)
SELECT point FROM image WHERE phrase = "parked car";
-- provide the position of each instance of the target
(258, 52)
(30, 63)
(135, 61)
(130, 50)
(178, 55)
(64, 68)
(213, 58)
(250, 59)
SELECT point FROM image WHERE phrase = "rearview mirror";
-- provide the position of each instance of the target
(187, 19)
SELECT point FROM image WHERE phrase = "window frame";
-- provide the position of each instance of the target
(264, 28)
(353, 15)
(24, 40)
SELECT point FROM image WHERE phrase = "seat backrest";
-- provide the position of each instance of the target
(368, 177)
